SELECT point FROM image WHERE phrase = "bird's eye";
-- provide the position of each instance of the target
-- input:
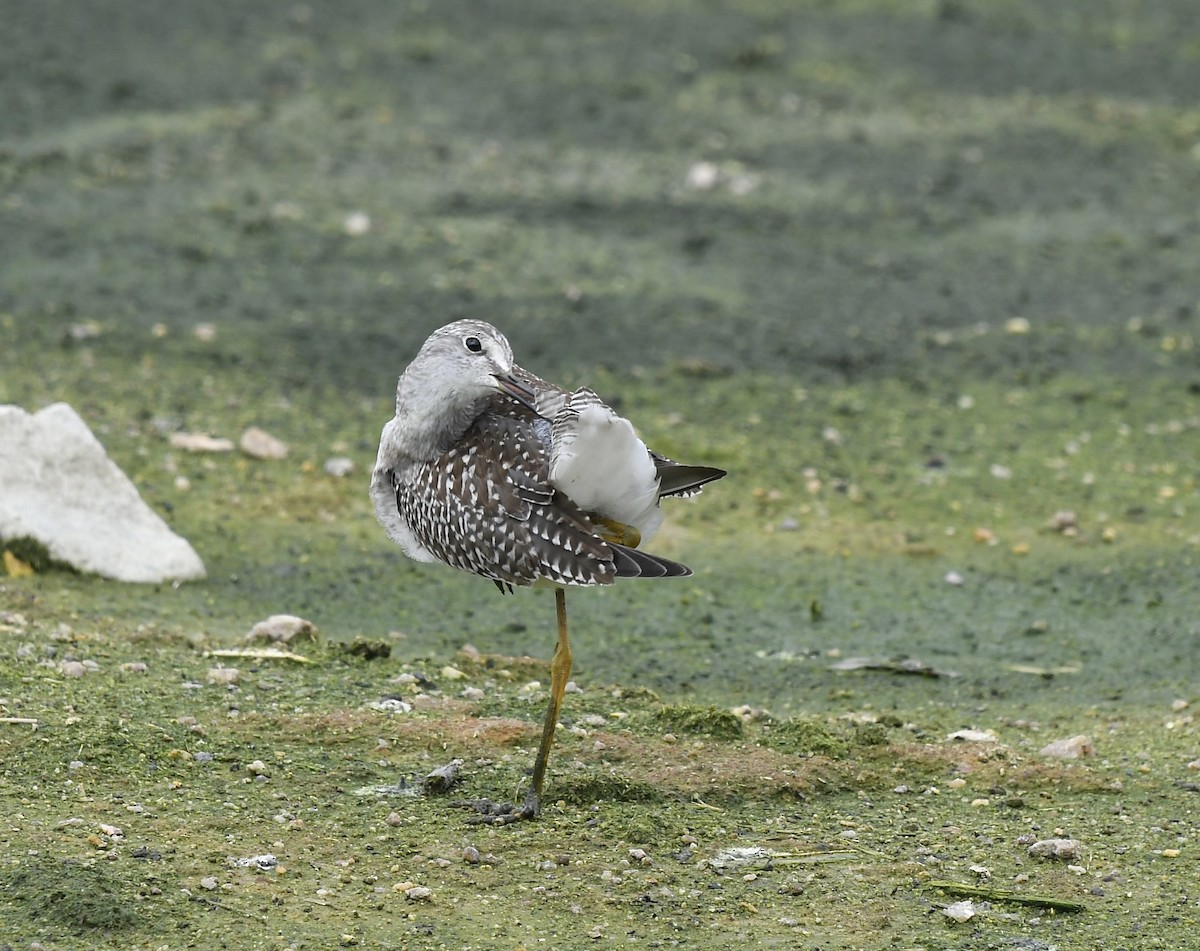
(473, 344)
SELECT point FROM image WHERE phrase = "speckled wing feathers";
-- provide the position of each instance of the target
(486, 506)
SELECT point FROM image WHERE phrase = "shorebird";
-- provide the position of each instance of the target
(492, 470)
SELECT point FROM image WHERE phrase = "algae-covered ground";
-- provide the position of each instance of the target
(921, 276)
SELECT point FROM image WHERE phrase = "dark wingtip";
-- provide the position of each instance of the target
(676, 479)
(631, 563)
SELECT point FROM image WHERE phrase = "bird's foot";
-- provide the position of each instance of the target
(504, 813)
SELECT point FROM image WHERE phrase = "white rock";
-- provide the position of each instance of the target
(973, 736)
(1071, 747)
(960, 911)
(339, 466)
(260, 444)
(60, 488)
(357, 223)
(200, 442)
(283, 629)
(703, 176)
(1063, 849)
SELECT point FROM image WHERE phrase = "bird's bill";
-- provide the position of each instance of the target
(517, 390)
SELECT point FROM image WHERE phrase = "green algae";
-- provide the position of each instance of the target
(704, 720)
(807, 737)
(936, 317)
(87, 897)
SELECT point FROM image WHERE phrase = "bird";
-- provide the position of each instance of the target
(490, 469)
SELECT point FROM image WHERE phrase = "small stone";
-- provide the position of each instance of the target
(1065, 850)
(419, 893)
(471, 855)
(257, 767)
(973, 736)
(205, 333)
(339, 466)
(960, 911)
(1072, 747)
(444, 778)
(1064, 521)
(200, 442)
(260, 444)
(452, 673)
(357, 223)
(703, 176)
(283, 629)
(208, 883)
(134, 667)
(394, 819)
(72, 668)
(1016, 325)
(223, 675)
(954, 578)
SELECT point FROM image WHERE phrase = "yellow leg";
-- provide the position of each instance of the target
(560, 672)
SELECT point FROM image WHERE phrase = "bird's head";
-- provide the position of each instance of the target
(459, 365)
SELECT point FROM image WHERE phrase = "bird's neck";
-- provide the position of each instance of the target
(432, 418)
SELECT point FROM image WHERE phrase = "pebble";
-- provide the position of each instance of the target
(444, 778)
(960, 911)
(391, 705)
(954, 578)
(357, 223)
(260, 444)
(72, 668)
(223, 675)
(1072, 747)
(703, 176)
(1064, 521)
(339, 466)
(1065, 850)
(283, 629)
(200, 442)
(973, 736)
(264, 863)
(134, 667)
(419, 893)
